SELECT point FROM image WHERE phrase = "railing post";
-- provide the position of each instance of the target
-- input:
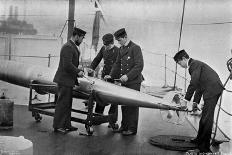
(10, 41)
(174, 85)
(49, 60)
(49, 63)
(165, 71)
(185, 80)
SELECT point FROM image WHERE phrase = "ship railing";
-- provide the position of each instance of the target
(166, 69)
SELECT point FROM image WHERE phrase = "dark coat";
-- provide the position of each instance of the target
(204, 81)
(109, 57)
(129, 62)
(66, 74)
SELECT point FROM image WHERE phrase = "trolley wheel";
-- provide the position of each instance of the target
(89, 130)
(37, 117)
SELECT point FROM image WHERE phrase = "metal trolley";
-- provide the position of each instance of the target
(47, 108)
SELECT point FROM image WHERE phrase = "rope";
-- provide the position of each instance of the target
(230, 91)
(63, 27)
(135, 19)
(225, 111)
(217, 23)
(217, 118)
(152, 52)
(29, 56)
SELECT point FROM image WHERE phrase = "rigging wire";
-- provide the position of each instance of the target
(63, 28)
(181, 27)
(216, 23)
(135, 19)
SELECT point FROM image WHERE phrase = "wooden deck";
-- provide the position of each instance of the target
(103, 141)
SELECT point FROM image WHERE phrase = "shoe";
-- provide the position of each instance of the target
(195, 151)
(71, 128)
(114, 127)
(205, 151)
(194, 141)
(120, 130)
(128, 133)
(60, 130)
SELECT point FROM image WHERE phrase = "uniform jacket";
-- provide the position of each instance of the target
(67, 71)
(109, 57)
(204, 81)
(129, 62)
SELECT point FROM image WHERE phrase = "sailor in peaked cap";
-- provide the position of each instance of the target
(78, 31)
(121, 33)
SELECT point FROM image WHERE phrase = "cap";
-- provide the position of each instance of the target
(78, 31)
(120, 33)
(108, 39)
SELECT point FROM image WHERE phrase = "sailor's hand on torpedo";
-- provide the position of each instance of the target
(124, 78)
(81, 74)
(106, 77)
(90, 70)
(195, 107)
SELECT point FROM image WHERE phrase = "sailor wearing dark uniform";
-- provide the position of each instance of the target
(66, 77)
(108, 53)
(128, 66)
(204, 82)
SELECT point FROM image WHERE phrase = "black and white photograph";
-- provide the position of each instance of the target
(115, 77)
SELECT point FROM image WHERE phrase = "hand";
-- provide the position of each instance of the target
(81, 74)
(124, 78)
(106, 77)
(195, 107)
(90, 70)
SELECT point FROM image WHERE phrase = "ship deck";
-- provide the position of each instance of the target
(103, 141)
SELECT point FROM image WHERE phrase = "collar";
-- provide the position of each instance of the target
(190, 60)
(188, 63)
(110, 47)
(72, 41)
(127, 42)
(74, 44)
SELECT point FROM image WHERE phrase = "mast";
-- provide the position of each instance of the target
(71, 18)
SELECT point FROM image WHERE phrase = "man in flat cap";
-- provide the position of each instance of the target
(204, 82)
(128, 66)
(108, 53)
(66, 77)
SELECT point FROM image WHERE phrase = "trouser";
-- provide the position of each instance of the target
(113, 111)
(130, 114)
(112, 116)
(62, 117)
(206, 123)
(100, 108)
